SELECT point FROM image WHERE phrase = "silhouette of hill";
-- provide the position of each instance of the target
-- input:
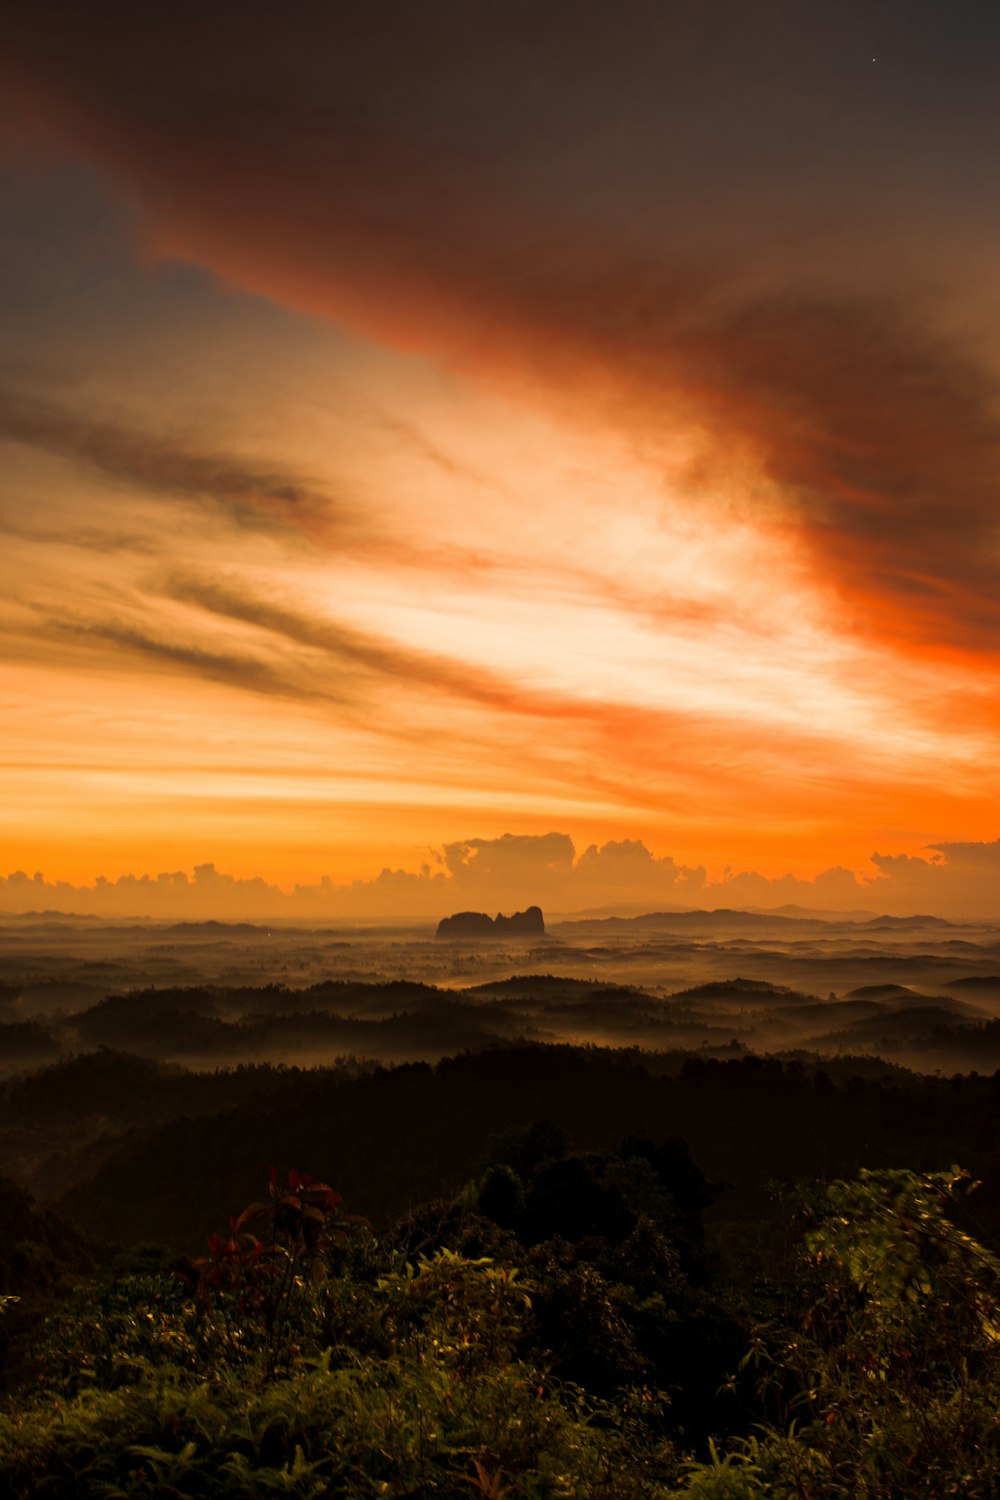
(754, 991)
(391, 1138)
(880, 992)
(476, 924)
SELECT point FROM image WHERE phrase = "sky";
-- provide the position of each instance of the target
(523, 451)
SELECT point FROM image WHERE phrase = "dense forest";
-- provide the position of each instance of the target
(530, 1270)
(705, 1203)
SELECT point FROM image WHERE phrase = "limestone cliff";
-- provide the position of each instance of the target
(477, 924)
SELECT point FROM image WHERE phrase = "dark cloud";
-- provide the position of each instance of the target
(886, 441)
(355, 651)
(250, 497)
(317, 661)
(632, 749)
(234, 669)
(87, 538)
(351, 648)
(718, 216)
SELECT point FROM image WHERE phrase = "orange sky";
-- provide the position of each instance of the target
(407, 446)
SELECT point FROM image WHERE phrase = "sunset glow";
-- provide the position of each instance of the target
(402, 454)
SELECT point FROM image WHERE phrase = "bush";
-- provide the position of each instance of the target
(891, 1382)
(300, 1358)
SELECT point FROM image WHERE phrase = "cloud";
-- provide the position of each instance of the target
(512, 863)
(955, 877)
(688, 232)
(250, 497)
(836, 889)
(515, 870)
(87, 538)
(169, 895)
(231, 668)
(644, 210)
(358, 652)
(624, 871)
(353, 648)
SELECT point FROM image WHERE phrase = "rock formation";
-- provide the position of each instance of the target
(476, 924)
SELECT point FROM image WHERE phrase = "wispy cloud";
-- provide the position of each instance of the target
(347, 646)
(636, 732)
(577, 246)
(87, 538)
(383, 658)
(688, 244)
(249, 496)
(232, 668)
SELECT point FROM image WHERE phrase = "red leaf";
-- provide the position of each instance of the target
(250, 1213)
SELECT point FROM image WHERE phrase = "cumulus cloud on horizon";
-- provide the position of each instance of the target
(513, 871)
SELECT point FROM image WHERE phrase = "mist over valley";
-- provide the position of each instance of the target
(109, 1029)
(921, 991)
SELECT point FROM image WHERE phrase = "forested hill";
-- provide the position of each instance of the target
(537, 1271)
(394, 1137)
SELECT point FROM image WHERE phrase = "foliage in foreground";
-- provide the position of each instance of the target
(890, 1385)
(301, 1357)
(412, 1428)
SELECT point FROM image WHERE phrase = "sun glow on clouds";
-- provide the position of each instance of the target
(592, 583)
(605, 514)
(517, 614)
